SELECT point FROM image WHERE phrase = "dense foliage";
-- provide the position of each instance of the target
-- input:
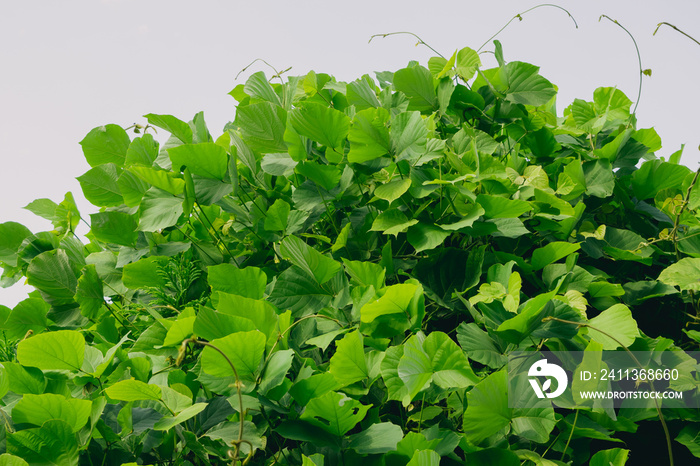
(339, 277)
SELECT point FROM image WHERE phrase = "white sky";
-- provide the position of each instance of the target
(69, 66)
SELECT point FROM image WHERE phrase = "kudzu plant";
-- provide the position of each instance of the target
(339, 277)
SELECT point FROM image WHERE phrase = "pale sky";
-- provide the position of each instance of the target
(69, 66)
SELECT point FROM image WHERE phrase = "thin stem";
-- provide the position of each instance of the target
(639, 58)
(277, 73)
(674, 27)
(420, 41)
(568, 441)
(216, 234)
(639, 364)
(519, 16)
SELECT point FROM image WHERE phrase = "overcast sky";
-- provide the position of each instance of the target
(69, 66)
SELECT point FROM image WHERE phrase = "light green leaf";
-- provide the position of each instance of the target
(425, 458)
(59, 350)
(105, 144)
(179, 331)
(552, 252)
(317, 122)
(393, 190)
(12, 234)
(245, 351)
(326, 176)
(159, 210)
(133, 390)
(144, 273)
(11, 460)
(37, 409)
(408, 136)
(51, 272)
(334, 412)
(276, 370)
(168, 422)
(369, 135)
(600, 179)
(248, 282)
(161, 179)
(54, 443)
(348, 364)
(424, 236)
(100, 186)
(392, 222)
(616, 321)
(257, 86)
(467, 62)
(277, 216)
(418, 85)
(500, 207)
(313, 387)
(206, 159)
(684, 274)
(174, 126)
(262, 127)
(29, 314)
(613, 457)
(321, 267)
(523, 85)
(395, 300)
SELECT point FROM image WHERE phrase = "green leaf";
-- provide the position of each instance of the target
(683, 274)
(424, 236)
(348, 364)
(174, 126)
(618, 323)
(552, 252)
(105, 144)
(133, 390)
(321, 267)
(161, 179)
(523, 85)
(248, 282)
(479, 346)
(206, 159)
(408, 136)
(142, 151)
(11, 460)
(326, 176)
(29, 314)
(334, 412)
(299, 292)
(313, 387)
(114, 227)
(12, 234)
(37, 409)
(277, 216)
(365, 273)
(393, 190)
(259, 87)
(394, 300)
(424, 458)
(168, 422)
(600, 180)
(276, 370)
(449, 364)
(262, 127)
(377, 439)
(211, 324)
(159, 210)
(613, 457)
(180, 330)
(132, 188)
(144, 273)
(467, 63)
(369, 135)
(59, 350)
(392, 222)
(89, 293)
(51, 272)
(100, 186)
(24, 379)
(245, 351)
(319, 123)
(418, 85)
(54, 443)
(500, 207)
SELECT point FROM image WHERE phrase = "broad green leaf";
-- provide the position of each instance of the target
(24, 379)
(348, 364)
(277, 216)
(248, 282)
(161, 179)
(688, 436)
(142, 151)
(37, 409)
(361, 93)
(29, 314)
(245, 351)
(389, 367)
(132, 188)
(326, 176)
(89, 293)
(262, 127)
(449, 364)
(174, 126)
(59, 350)
(392, 222)
(500, 207)
(114, 227)
(321, 267)
(259, 311)
(393, 190)
(144, 273)
(394, 300)
(334, 412)
(322, 341)
(369, 135)
(259, 87)
(529, 320)
(278, 164)
(613, 457)
(206, 159)
(51, 272)
(684, 274)
(398, 308)
(619, 325)
(11, 460)
(54, 443)
(168, 422)
(327, 126)
(211, 324)
(100, 186)
(313, 387)
(552, 252)
(133, 390)
(378, 438)
(479, 346)
(365, 273)
(418, 85)
(12, 234)
(424, 236)
(179, 331)
(408, 136)
(600, 180)
(467, 62)
(523, 85)
(159, 210)
(424, 458)
(105, 144)
(474, 211)
(299, 292)
(276, 370)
